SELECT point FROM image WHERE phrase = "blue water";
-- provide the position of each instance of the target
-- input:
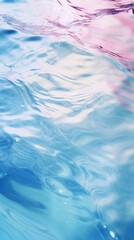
(66, 140)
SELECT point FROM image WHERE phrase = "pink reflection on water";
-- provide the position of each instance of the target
(99, 26)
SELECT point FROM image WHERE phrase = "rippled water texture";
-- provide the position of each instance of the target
(66, 120)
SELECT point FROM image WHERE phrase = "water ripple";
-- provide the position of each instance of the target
(66, 120)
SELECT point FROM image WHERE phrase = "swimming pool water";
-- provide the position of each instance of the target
(66, 120)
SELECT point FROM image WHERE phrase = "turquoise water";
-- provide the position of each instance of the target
(66, 121)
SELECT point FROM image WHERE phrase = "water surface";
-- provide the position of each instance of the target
(66, 120)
